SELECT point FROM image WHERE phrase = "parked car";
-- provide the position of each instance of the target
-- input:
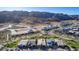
(22, 46)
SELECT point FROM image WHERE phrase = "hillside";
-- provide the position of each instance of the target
(33, 17)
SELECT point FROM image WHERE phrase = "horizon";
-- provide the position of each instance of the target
(64, 10)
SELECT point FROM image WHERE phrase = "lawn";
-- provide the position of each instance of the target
(43, 36)
(12, 45)
(72, 43)
(69, 41)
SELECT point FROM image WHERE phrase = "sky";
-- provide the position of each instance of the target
(65, 10)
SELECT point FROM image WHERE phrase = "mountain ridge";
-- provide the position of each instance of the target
(20, 16)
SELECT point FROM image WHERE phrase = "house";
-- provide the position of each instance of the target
(71, 32)
(77, 33)
(23, 44)
(39, 42)
(49, 27)
(32, 44)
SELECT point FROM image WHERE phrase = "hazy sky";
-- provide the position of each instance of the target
(66, 10)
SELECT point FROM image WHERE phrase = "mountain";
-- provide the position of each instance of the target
(34, 16)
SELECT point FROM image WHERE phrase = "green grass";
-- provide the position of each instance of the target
(12, 45)
(43, 37)
(55, 37)
(69, 41)
(72, 43)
